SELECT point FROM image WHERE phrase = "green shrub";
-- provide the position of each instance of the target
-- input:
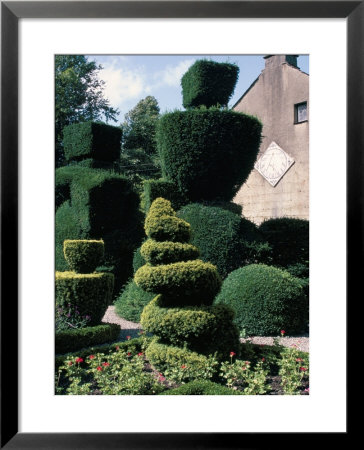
(103, 205)
(162, 188)
(131, 301)
(166, 252)
(71, 340)
(208, 83)
(289, 239)
(169, 360)
(224, 238)
(203, 329)
(90, 293)
(208, 154)
(83, 256)
(266, 300)
(138, 260)
(92, 140)
(201, 387)
(167, 228)
(182, 283)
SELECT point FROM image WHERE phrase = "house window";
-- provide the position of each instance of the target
(300, 112)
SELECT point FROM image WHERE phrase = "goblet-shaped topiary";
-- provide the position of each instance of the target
(83, 256)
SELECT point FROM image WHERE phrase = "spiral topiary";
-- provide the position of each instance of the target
(182, 315)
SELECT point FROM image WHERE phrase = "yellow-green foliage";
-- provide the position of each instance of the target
(90, 293)
(182, 283)
(83, 256)
(162, 224)
(166, 252)
(168, 358)
(204, 329)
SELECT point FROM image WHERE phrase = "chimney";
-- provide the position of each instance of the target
(276, 60)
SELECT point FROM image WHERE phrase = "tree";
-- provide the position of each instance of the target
(140, 126)
(79, 96)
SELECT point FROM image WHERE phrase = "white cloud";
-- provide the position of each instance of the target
(172, 74)
(122, 83)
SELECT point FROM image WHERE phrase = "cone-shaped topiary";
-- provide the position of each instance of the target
(181, 316)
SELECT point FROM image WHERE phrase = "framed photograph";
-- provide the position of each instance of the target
(31, 34)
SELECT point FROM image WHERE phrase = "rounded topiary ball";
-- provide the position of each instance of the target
(82, 255)
(266, 300)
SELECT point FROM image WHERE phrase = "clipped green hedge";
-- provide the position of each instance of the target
(167, 228)
(224, 238)
(103, 205)
(289, 239)
(166, 358)
(131, 301)
(208, 154)
(162, 188)
(203, 329)
(182, 283)
(83, 255)
(208, 83)
(71, 340)
(138, 260)
(90, 293)
(266, 300)
(166, 252)
(201, 387)
(92, 140)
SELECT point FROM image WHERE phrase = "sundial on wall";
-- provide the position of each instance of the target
(274, 163)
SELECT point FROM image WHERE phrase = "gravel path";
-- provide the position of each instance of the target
(132, 329)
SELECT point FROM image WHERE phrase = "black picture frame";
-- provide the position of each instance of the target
(11, 12)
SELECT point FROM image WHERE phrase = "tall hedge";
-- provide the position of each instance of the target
(92, 140)
(224, 238)
(208, 83)
(207, 153)
(103, 205)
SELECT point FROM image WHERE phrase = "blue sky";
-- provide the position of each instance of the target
(130, 78)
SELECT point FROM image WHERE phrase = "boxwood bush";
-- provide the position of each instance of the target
(83, 255)
(90, 293)
(266, 300)
(208, 83)
(289, 239)
(71, 340)
(181, 283)
(204, 330)
(131, 301)
(155, 252)
(162, 188)
(201, 387)
(207, 153)
(224, 238)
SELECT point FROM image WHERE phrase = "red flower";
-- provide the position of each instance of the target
(106, 364)
(243, 368)
(127, 337)
(183, 366)
(70, 363)
(92, 356)
(140, 354)
(78, 360)
(263, 359)
(129, 354)
(117, 347)
(99, 368)
(299, 359)
(303, 369)
(283, 332)
(232, 353)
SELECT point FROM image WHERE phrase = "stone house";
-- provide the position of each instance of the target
(278, 186)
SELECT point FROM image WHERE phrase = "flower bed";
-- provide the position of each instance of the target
(123, 369)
